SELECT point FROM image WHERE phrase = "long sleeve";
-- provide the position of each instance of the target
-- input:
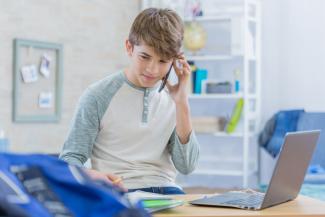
(184, 156)
(83, 132)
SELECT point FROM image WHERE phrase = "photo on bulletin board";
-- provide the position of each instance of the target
(37, 81)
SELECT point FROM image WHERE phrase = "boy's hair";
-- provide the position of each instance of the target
(161, 29)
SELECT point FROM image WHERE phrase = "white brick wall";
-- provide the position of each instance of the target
(93, 34)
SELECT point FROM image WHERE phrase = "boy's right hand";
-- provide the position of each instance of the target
(110, 178)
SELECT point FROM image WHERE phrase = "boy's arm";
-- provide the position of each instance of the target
(184, 156)
(83, 132)
(183, 121)
(183, 144)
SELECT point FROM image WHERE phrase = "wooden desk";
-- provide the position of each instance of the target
(301, 206)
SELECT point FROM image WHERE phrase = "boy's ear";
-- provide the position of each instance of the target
(129, 47)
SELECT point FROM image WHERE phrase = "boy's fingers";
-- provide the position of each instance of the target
(112, 176)
(121, 186)
(114, 179)
(181, 56)
(185, 63)
(117, 181)
(185, 67)
(179, 68)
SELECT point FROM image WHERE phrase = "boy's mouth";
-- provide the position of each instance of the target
(148, 77)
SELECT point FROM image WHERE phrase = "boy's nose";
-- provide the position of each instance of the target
(152, 68)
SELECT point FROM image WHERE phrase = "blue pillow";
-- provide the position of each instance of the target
(285, 121)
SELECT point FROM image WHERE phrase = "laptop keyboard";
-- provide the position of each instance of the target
(245, 200)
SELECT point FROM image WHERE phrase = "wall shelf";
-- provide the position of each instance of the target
(219, 18)
(209, 57)
(216, 96)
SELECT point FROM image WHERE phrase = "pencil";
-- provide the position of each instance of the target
(117, 180)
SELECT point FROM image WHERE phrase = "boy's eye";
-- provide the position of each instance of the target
(144, 57)
(163, 61)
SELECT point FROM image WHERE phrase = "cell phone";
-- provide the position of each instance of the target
(164, 81)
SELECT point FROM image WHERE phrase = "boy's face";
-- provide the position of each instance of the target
(146, 67)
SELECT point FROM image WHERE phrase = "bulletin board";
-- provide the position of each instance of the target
(37, 81)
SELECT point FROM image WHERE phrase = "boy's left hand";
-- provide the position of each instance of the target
(178, 91)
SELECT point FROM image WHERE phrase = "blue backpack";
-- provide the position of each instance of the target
(41, 185)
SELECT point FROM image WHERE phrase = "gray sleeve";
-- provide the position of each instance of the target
(184, 156)
(83, 131)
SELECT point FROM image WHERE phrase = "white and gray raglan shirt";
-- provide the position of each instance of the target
(129, 131)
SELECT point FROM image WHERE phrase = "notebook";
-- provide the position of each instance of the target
(153, 202)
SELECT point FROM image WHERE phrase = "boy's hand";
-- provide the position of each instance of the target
(110, 178)
(178, 91)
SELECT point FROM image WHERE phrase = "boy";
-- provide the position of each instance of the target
(130, 130)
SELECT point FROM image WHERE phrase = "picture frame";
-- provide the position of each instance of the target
(37, 81)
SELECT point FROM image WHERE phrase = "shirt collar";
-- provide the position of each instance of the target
(140, 88)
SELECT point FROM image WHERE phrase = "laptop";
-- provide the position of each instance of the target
(286, 181)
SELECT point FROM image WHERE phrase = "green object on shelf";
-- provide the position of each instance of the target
(235, 116)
